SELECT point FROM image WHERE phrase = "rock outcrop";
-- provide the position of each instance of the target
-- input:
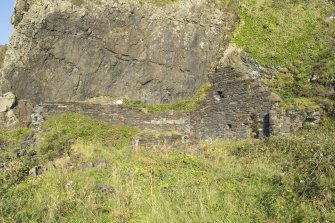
(86, 56)
(14, 113)
(70, 50)
(3, 49)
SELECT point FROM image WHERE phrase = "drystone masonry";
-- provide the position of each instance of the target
(236, 106)
(219, 116)
(159, 140)
(287, 121)
(120, 114)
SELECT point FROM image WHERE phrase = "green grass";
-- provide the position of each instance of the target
(300, 104)
(279, 32)
(60, 132)
(57, 136)
(281, 179)
(187, 105)
(294, 35)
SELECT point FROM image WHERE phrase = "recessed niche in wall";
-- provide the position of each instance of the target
(219, 95)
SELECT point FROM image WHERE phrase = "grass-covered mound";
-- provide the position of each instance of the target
(93, 176)
(298, 36)
(20, 149)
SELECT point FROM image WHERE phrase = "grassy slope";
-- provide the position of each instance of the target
(285, 179)
(295, 35)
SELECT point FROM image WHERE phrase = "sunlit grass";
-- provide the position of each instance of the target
(281, 179)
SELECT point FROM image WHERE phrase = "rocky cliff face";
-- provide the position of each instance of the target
(3, 50)
(70, 50)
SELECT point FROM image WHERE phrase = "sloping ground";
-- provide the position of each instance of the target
(297, 37)
(91, 175)
(83, 170)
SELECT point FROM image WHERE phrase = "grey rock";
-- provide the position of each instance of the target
(69, 164)
(37, 118)
(64, 51)
(36, 171)
(12, 120)
(3, 49)
(13, 113)
(7, 101)
(28, 137)
(22, 111)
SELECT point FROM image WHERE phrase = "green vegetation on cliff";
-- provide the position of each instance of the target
(96, 177)
(298, 36)
(92, 175)
(187, 105)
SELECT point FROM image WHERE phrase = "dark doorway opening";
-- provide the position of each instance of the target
(221, 94)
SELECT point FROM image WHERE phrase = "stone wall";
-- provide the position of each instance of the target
(120, 114)
(237, 106)
(251, 113)
(159, 140)
(288, 121)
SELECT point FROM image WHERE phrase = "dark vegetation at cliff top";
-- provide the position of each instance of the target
(93, 176)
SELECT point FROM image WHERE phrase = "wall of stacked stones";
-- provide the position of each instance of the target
(236, 107)
(120, 114)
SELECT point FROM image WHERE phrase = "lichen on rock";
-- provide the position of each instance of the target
(65, 51)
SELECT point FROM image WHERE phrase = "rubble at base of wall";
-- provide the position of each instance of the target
(151, 140)
(288, 121)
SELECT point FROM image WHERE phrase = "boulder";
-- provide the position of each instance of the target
(36, 170)
(7, 101)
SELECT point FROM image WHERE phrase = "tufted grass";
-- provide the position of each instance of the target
(281, 179)
(187, 105)
(295, 35)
